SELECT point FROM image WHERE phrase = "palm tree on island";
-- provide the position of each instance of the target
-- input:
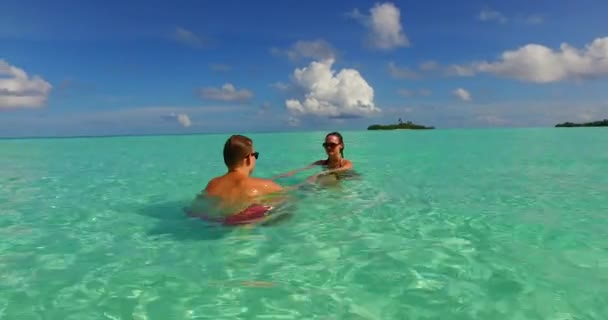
(601, 123)
(399, 125)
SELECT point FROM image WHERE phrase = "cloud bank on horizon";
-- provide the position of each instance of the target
(372, 65)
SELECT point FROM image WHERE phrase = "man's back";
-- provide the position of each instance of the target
(236, 190)
(233, 192)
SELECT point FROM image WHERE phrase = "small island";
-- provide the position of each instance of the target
(601, 123)
(398, 126)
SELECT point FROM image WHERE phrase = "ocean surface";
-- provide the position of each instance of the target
(442, 224)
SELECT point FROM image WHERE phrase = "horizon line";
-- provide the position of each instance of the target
(125, 135)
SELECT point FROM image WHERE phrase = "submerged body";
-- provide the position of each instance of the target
(233, 199)
(236, 193)
(233, 192)
(335, 165)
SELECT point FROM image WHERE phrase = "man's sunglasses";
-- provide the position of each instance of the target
(255, 154)
(329, 145)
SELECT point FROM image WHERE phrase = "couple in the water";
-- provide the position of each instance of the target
(236, 190)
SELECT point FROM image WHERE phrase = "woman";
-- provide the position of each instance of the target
(335, 162)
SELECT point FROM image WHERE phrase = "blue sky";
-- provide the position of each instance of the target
(76, 68)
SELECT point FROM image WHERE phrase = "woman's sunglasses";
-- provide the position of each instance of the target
(330, 145)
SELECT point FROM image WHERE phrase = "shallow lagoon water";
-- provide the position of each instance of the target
(442, 224)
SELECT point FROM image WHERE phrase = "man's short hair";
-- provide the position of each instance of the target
(236, 148)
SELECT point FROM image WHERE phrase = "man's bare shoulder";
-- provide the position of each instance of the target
(262, 181)
(213, 184)
(265, 185)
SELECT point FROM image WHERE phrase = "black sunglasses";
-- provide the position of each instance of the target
(329, 144)
(255, 154)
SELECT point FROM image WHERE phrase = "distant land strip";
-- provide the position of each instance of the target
(601, 123)
(399, 126)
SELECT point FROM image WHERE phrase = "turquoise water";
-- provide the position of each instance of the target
(443, 224)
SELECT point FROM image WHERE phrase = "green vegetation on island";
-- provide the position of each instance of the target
(400, 125)
(601, 123)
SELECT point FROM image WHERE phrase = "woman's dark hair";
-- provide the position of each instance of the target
(337, 134)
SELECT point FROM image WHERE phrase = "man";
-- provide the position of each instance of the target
(235, 190)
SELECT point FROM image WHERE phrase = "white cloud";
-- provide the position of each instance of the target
(462, 94)
(491, 15)
(181, 118)
(401, 72)
(463, 71)
(540, 64)
(184, 119)
(226, 93)
(280, 86)
(18, 90)
(315, 49)
(188, 37)
(385, 30)
(345, 94)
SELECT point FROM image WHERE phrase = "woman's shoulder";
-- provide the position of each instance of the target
(347, 163)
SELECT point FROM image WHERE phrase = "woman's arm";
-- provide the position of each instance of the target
(347, 166)
(291, 173)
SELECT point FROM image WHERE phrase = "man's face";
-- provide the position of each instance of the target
(251, 160)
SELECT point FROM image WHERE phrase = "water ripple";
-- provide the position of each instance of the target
(441, 226)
